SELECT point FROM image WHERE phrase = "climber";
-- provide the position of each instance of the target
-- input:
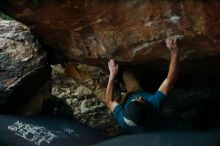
(139, 108)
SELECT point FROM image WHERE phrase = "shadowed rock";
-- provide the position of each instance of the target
(24, 72)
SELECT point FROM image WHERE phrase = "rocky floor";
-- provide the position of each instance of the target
(82, 104)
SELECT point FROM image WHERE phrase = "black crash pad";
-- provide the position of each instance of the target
(172, 138)
(46, 131)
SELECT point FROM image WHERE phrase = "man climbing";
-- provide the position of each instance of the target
(139, 108)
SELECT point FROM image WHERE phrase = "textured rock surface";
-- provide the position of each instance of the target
(24, 72)
(131, 31)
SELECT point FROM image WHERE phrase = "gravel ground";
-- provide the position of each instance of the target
(83, 104)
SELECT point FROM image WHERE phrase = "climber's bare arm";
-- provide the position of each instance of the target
(171, 78)
(113, 68)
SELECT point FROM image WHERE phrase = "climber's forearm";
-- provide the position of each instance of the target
(172, 75)
(173, 69)
(109, 92)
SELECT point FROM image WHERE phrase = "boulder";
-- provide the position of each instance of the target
(131, 31)
(24, 71)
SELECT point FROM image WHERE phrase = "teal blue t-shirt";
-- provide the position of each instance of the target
(156, 100)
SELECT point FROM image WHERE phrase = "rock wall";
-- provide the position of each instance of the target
(24, 71)
(132, 31)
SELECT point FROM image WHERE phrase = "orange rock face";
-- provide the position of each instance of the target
(132, 31)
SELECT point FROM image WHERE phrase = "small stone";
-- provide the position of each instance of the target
(67, 91)
(82, 90)
(61, 95)
(69, 101)
(89, 103)
(76, 112)
(74, 100)
(83, 107)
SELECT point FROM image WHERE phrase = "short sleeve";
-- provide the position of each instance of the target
(118, 115)
(158, 100)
